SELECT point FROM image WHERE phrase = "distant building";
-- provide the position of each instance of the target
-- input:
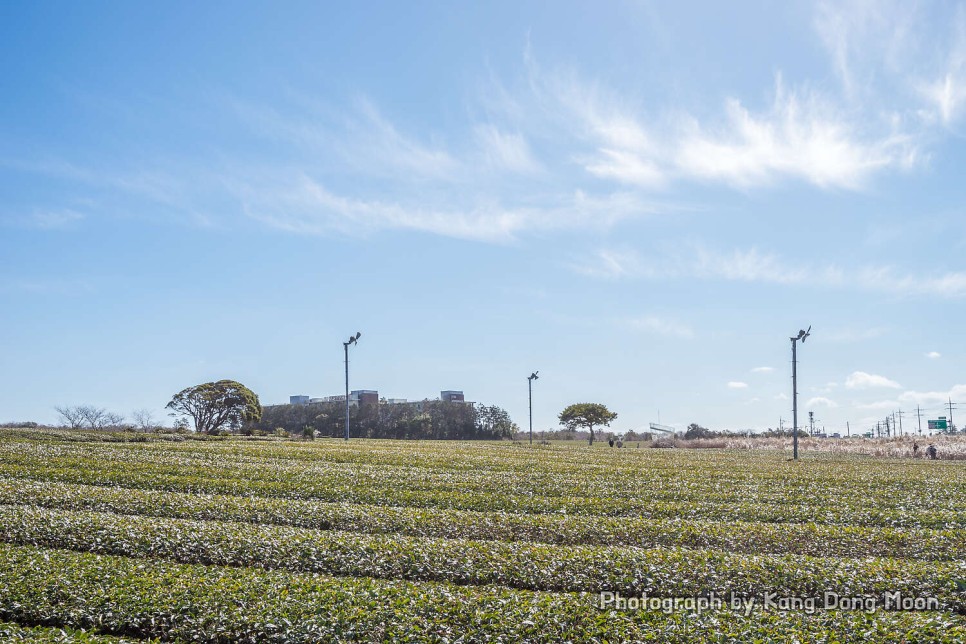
(364, 397)
(367, 397)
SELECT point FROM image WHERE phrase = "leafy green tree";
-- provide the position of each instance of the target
(697, 431)
(425, 420)
(494, 422)
(215, 405)
(586, 416)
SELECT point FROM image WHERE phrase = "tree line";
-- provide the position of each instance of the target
(428, 420)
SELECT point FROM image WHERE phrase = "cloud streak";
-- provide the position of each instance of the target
(303, 205)
(863, 380)
(821, 401)
(697, 261)
(800, 137)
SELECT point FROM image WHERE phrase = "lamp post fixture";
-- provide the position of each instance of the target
(345, 345)
(802, 334)
(533, 376)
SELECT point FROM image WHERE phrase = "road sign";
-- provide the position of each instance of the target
(938, 424)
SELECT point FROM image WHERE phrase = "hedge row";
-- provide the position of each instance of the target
(214, 604)
(596, 475)
(748, 537)
(665, 572)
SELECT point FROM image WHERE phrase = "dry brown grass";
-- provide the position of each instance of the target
(949, 447)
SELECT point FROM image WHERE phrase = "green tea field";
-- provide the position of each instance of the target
(319, 541)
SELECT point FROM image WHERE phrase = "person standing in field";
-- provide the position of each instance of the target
(932, 452)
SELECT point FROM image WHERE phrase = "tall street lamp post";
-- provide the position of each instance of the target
(802, 334)
(345, 345)
(533, 376)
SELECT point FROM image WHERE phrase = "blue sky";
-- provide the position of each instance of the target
(641, 200)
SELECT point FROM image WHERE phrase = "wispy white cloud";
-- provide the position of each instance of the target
(887, 51)
(821, 401)
(948, 94)
(762, 369)
(303, 205)
(381, 144)
(47, 219)
(867, 39)
(956, 393)
(934, 355)
(626, 167)
(800, 136)
(751, 265)
(828, 388)
(610, 138)
(695, 261)
(561, 130)
(737, 385)
(612, 263)
(863, 380)
(662, 326)
(506, 151)
(744, 266)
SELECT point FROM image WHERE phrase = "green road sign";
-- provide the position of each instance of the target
(938, 424)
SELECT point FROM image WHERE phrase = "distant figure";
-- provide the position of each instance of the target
(932, 452)
(915, 449)
(610, 442)
(620, 443)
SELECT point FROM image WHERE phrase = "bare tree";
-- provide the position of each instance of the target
(144, 419)
(112, 420)
(95, 417)
(73, 416)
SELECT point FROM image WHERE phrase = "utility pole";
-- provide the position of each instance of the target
(899, 413)
(848, 430)
(878, 430)
(952, 406)
(888, 429)
(801, 336)
(811, 423)
(919, 419)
